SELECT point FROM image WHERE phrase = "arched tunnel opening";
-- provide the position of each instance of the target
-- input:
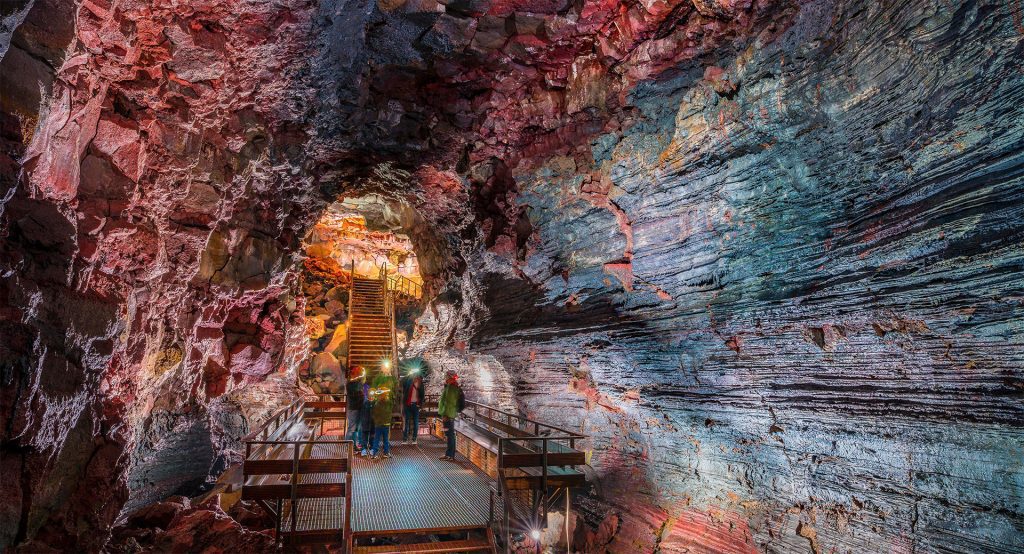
(685, 276)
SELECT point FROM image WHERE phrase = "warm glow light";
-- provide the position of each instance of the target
(387, 364)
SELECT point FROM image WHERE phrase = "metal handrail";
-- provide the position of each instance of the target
(276, 419)
(536, 424)
(298, 407)
(405, 285)
(348, 316)
(531, 430)
(389, 309)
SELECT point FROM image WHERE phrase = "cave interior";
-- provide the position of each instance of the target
(764, 258)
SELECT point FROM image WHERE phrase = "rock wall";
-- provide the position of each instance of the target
(767, 254)
(786, 300)
(147, 291)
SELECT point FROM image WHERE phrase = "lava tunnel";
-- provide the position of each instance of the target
(714, 276)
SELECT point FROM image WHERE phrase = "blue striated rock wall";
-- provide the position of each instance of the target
(786, 300)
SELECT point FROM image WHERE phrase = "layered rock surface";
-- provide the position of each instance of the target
(768, 255)
(788, 298)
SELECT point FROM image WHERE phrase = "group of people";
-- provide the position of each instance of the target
(370, 406)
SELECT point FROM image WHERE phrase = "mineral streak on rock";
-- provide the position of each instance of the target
(834, 216)
(766, 253)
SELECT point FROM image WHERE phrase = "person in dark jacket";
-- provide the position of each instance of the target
(451, 404)
(412, 400)
(366, 420)
(354, 405)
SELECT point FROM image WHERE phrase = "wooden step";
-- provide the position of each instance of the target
(463, 545)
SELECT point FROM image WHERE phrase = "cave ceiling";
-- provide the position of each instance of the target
(767, 254)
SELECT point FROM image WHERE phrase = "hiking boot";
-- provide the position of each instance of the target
(387, 456)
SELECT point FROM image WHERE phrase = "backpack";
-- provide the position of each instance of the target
(461, 404)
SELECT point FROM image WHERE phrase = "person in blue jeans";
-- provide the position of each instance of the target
(412, 399)
(383, 394)
(366, 421)
(451, 404)
(354, 406)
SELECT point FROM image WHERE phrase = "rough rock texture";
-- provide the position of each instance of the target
(146, 258)
(175, 525)
(787, 301)
(768, 255)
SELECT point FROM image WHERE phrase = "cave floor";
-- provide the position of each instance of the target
(415, 490)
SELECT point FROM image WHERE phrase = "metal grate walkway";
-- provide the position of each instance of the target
(417, 491)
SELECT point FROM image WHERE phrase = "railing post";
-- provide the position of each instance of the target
(277, 530)
(347, 524)
(544, 466)
(295, 483)
(490, 508)
(568, 505)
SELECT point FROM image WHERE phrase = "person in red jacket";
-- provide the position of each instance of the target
(412, 400)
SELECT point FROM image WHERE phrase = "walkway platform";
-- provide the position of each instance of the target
(299, 468)
(415, 491)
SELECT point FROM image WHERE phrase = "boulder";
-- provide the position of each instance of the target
(324, 362)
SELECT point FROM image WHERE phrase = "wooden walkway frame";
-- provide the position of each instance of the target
(300, 477)
(305, 478)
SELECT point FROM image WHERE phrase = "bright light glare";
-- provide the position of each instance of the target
(387, 364)
(535, 534)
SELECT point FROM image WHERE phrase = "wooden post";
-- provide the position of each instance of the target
(568, 503)
(295, 483)
(347, 525)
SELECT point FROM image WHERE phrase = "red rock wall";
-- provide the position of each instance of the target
(768, 252)
(146, 259)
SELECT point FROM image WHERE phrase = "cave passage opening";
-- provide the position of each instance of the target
(361, 238)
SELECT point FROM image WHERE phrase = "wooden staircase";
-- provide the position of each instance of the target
(371, 338)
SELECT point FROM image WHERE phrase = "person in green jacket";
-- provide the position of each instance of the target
(452, 402)
(383, 393)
